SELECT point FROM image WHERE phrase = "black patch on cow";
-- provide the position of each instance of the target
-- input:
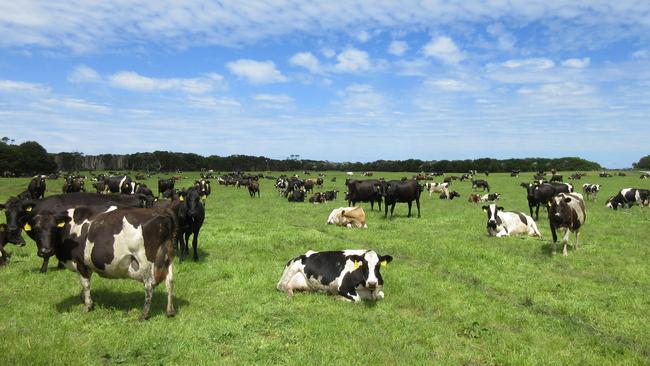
(102, 234)
(523, 218)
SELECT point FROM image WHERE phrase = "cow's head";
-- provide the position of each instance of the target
(14, 211)
(493, 217)
(368, 266)
(192, 201)
(453, 194)
(46, 228)
(613, 203)
(558, 206)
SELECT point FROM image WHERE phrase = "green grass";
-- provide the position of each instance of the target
(453, 294)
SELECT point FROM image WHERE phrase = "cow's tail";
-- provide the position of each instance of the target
(165, 254)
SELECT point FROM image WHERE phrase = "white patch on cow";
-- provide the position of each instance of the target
(132, 187)
(119, 189)
(435, 187)
(511, 224)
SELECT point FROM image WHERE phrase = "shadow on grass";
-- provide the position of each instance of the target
(190, 256)
(117, 300)
(551, 249)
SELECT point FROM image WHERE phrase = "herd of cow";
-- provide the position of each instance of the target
(123, 231)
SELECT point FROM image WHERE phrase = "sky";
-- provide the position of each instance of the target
(330, 80)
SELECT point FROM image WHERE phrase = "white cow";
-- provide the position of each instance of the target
(502, 223)
(434, 187)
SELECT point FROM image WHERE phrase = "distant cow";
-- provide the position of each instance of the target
(568, 211)
(502, 223)
(348, 217)
(480, 183)
(36, 187)
(474, 198)
(165, 185)
(514, 173)
(318, 197)
(134, 243)
(297, 195)
(330, 195)
(556, 178)
(434, 187)
(541, 194)
(645, 176)
(400, 191)
(352, 275)
(253, 187)
(364, 191)
(604, 175)
(591, 190)
(627, 197)
(490, 197)
(120, 184)
(450, 195)
(74, 184)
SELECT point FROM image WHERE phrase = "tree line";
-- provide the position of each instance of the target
(29, 158)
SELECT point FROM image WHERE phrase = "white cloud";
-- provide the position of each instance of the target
(273, 98)
(363, 36)
(505, 40)
(133, 81)
(530, 70)
(77, 104)
(416, 67)
(214, 103)
(450, 85)
(533, 63)
(398, 48)
(256, 72)
(444, 49)
(577, 63)
(306, 60)
(362, 97)
(11, 86)
(328, 52)
(83, 74)
(352, 60)
(641, 54)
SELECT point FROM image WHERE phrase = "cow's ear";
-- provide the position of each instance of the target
(62, 219)
(28, 206)
(485, 208)
(385, 259)
(500, 208)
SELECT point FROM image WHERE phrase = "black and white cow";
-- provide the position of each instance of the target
(352, 275)
(480, 183)
(330, 195)
(627, 197)
(450, 195)
(434, 187)
(203, 186)
(136, 243)
(491, 197)
(645, 176)
(120, 184)
(591, 190)
(501, 223)
(568, 211)
(36, 187)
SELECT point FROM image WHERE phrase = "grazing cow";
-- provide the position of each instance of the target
(165, 185)
(253, 187)
(400, 191)
(74, 184)
(568, 211)
(330, 195)
(501, 223)
(491, 197)
(203, 186)
(591, 190)
(605, 175)
(575, 176)
(474, 198)
(437, 188)
(317, 198)
(297, 195)
(514, 173)
(627, 197)
(16, 210)
(449, 195)
(348, 217)
(466, 176)
(556, 178)
(136, 243)
(36, 187)
(480, 183)
(364, 191)
(367, 174)
(352, 275)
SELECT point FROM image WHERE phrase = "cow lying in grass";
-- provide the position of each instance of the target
(352, 275)
(348, 216)
(502, 223)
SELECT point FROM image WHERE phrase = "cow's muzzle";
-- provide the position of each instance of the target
(492, 224)
(372, 285)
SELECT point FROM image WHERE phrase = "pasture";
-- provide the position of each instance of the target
(453, 294)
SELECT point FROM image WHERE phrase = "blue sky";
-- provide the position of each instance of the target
(339, 81)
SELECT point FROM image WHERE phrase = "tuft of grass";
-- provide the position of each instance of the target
(453, 294)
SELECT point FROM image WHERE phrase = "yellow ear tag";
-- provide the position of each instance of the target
(27, 227)
(356, 264)
(549, 204)
(28, 209)
(384, 263)
(61, 224)
(204, 197)
(484, 210)
(180, 198)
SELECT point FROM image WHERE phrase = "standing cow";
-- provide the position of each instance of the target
(136, 243)
(591, 190)
(364, 191)
(568, 211)
(400, 191)
(36, 187)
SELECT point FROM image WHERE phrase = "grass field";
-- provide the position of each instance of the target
(453, 294)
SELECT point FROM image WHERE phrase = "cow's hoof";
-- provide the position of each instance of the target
(171, 313)
(143, 317)
(89, 308)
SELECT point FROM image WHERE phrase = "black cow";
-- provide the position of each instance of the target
(74, 184)
(253, 187)
(540, 194)
(318, 197)
(297, 195)
(364, 191)
(193, 222)
(134, 243)
(165, 185)
(400, 191)
(556, 178)
(514, 173)
(36, 187)
(330, 195)
(480, 183)
(16, 210)
(4, 256)
(141, 188)
(449, 195)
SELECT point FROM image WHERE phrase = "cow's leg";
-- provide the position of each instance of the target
(195, 243)
(392, 208)
(169, 285)
(577, 238)
(379, 203)
(565, 240)
(410, 203)
(385, 209)
(372, 205)
(148, 295)
(417, 203)
(536, 212)
(46, 261)
(85, 292)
